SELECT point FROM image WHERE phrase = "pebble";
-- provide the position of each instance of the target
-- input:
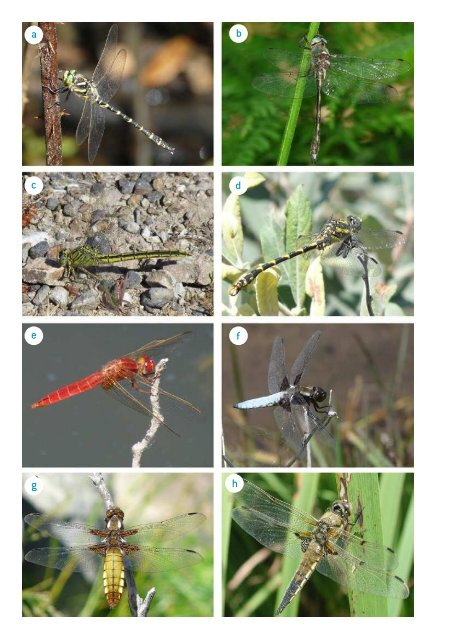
(156, 298)
(97, 188)
(41, 296)
(39, 250)
(87, 300)
(129, 226)
(126, 186)
(133, 280)
(142, 186)
(59, 296)
(52, 203)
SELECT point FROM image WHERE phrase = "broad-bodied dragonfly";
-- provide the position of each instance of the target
(293, 402)
(88, 546)
(341, 243)
(97, 92)
(325, 544)
(358, 79)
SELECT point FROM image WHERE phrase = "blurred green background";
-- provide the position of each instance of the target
(255, 578)
(363, 135)
(383, 201)
(144, 497)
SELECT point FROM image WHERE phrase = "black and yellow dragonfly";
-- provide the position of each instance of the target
(342, 243)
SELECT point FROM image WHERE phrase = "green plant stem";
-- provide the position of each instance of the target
(296, 104)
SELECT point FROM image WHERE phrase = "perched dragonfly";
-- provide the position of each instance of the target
(359, 79)
(97, 91)
(87, 256)
(137, 368)
(88, 546)
(341, 243)
(326, 544)
(293, 402)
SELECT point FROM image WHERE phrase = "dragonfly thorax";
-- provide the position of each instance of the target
(354, 223)
(341, 508)
(318, 394)
(318, 40)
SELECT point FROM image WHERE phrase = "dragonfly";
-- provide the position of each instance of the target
(136, 368)
(97, 92)
(88, 546)
(362, 80)
(293, 402)
(326, 544)
(87, 256)
(341, 243)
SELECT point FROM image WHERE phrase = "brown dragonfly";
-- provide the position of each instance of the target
(326, 544)
(88, 546)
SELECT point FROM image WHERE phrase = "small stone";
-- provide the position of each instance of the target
(154, 196)
(142, 186)
(52, 203)
(59, 296)
(39, 250)
(70, 211)
(146, 233)
(133, 280)
(97, 188)
(40, 272)
(129, 226)
(97, 215)
(100, 242)
(125, 186)
(41, 296)
(86, 300)
(156, 298)
(28, 309)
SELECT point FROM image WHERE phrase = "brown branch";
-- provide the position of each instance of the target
(51, 106)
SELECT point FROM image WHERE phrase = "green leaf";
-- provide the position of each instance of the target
(267, 293)
(233, 237)
(299, 217)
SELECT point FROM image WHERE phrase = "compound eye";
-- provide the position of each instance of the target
(320, 394)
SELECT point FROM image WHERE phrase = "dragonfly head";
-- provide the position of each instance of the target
(114, 518)
(319, 395)
(69, 77)
(317, 41)
(354, 223)
(146, 366)
(341, 508)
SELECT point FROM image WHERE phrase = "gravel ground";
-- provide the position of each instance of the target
(119, 213)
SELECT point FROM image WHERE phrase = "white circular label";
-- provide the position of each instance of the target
(33, 185)
(238, 33)
(238, 335)
(33, 485)
(33, 35)
(234, 483)
(33, 335)
(238, 185)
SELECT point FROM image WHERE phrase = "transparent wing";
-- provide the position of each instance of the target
(291, 432)
(168, 529)
(110, 82)
(108, 54)
(270, 520)
(70, 532)
(83, 127)
(282, 84)
(300, 363)
(156, 345)
(381, 239)
(350, 572)
(96, 131)
(58, 558)
(337, 85)
(152, 560)
(276, 373)
(349, 264)
(375, 555)
(368, 68)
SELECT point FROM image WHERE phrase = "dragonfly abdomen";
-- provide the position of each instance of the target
(113, 576)
(309, 563)
(265, 401)
(85, 384)
(149, 134)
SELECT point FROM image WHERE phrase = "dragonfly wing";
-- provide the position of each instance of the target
(83, 128)
(58, 558)
(368, 68)
(338, 85)
(153, 559)
(283, 84)
(110, 82)
(107, 55)
(120, 393)
(291, 430)
(276, 373)
(97, 126)
(68, 532)
(300, 363)
(375, 555)
(382, 239)
(284, 60)
(273, 510)
(169, 529)
(352, 573)
(349, 264)
(155, 345)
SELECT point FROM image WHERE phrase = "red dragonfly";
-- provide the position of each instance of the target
(136, 367)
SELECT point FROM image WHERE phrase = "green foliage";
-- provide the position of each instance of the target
(253, 124)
